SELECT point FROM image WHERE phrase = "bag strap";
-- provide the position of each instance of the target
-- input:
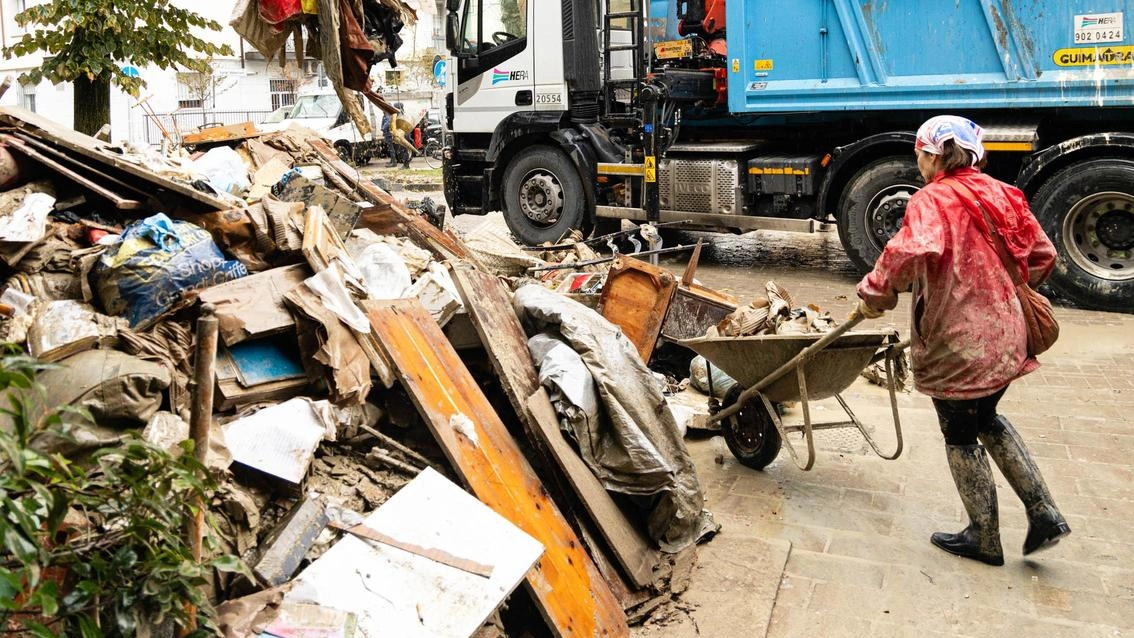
(998, 242)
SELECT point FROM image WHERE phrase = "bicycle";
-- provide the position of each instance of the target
(434, 153)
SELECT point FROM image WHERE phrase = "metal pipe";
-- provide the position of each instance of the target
(603, 260)
(200, 421)
(201, 415)
(795, 362)
(601, 238)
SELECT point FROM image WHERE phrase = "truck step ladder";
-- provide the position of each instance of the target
(627, 18)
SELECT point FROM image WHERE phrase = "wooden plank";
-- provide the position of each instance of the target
(91, 148)
(628, 596)
(490, 308)
(568, 589)
(387, 216)
(120, 202)
(635, 298)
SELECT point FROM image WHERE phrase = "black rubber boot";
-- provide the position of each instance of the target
(1045, 524)
(973, 476)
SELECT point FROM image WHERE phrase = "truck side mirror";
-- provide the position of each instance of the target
(452, 26)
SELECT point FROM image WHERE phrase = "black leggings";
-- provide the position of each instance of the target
(962, 421)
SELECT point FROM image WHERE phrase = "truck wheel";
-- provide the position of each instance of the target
(343, 149)
(1087, 210)
(873, 206)
(543, 196)
(750, 434)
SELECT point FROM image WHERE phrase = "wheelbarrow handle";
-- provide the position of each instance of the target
(855, 318)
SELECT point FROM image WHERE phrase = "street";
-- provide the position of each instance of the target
(855, 530)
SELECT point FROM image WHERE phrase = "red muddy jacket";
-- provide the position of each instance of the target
(968, 335)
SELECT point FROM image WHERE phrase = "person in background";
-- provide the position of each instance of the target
(389, 138)
(401, 128)
(969, 340)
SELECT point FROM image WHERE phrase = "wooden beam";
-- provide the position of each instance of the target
(387, 216)
(490, 308)
(565, 584)
(43, 128)
(120, 202)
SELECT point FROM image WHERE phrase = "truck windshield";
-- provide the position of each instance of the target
(491, 23)
(317, 106)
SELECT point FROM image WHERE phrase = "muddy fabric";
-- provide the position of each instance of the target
(333, 55)
(117, 390)
(357, 53)
(636, 442)
(246, 21)
(968, 334)
(170, 344)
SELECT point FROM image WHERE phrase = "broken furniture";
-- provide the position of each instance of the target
(566, 586)
(649, 303)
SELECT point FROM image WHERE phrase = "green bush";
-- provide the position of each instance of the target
(98, 549)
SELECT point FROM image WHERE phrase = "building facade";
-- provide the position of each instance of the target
(243, 86)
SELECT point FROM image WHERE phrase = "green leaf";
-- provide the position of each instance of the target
(37, 629)
(47, 598)
(228, 564)
(20, 547)
(87, 628)
(9, 586)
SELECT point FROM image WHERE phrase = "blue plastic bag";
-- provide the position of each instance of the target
(145, 275)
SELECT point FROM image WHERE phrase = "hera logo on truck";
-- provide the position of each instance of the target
(1098, 21)
(499, 76)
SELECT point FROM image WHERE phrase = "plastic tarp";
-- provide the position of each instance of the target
(633, 445)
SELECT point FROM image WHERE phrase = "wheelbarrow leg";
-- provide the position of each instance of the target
(893, 407)
(803, 401)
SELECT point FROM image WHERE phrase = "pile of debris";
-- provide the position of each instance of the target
(366, 362)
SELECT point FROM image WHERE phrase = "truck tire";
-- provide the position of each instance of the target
(543, 196)
(342, 147)
(873, 205)
(1087, 210)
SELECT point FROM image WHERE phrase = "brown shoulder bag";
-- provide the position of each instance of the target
(1039, 318)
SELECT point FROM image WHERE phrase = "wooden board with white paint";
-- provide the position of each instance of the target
(397, 593)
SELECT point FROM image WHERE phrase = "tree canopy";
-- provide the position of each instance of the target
(90, 40)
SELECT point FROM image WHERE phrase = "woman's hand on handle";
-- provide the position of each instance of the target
(864, 310)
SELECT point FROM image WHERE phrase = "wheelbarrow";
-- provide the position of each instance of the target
(824, 364)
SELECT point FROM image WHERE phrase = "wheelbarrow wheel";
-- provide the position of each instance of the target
(750, 434)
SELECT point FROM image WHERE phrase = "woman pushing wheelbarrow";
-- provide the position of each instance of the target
(968, 241)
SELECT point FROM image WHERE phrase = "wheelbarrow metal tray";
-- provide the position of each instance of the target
(828, 371)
